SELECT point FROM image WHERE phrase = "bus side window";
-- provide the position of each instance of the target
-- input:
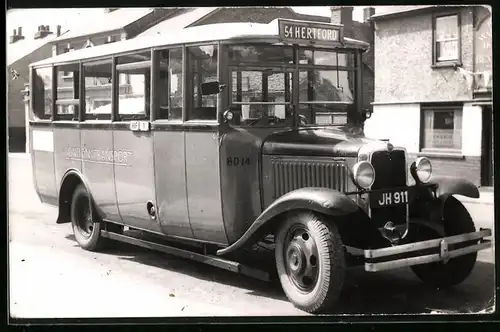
(42, 94)
(67, 92)
(98, 90)
(202, 68)
(169, 84)
(134, 73)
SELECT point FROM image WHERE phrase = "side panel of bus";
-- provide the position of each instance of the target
(95, 142)
(203, 185)
(170, 183)
(134, 177)
(42, 154)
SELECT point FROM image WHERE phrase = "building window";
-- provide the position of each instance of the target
(442, 129)
(446, 39)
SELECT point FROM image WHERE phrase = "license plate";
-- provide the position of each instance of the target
(380, 199)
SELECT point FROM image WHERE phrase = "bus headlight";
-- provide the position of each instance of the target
(421, 169)
(363, 174)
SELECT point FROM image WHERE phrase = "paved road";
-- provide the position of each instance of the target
(50, 276)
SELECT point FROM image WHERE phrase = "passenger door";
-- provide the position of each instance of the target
(169, 152)
(187, 148)
(133, 145)
(96, 137)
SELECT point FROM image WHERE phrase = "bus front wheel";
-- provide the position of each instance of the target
(84, 220)
(310, 261)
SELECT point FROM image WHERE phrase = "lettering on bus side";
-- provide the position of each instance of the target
(100, 156)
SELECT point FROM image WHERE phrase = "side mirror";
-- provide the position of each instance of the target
(211, 88)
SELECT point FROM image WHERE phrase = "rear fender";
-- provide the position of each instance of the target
(442, 210)
(68, 184)
(322, 200)
(454, 186)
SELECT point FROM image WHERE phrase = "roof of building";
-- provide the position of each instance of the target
(25, 47)
(205, 33)
(178, 22)
(197, 14)
(104, 22)
(395, 11)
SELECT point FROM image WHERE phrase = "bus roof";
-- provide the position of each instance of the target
(204, 33)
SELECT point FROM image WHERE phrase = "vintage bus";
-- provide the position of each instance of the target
(214, 142)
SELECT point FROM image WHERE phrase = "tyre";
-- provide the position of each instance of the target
(84, 220)
(310, 261)
(457, 220)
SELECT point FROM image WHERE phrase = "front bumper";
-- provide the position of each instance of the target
(389, 258)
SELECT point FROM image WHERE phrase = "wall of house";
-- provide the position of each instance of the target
(15, 98)
(483, 59)
(405, 78)
(407, 134)
(403, 61)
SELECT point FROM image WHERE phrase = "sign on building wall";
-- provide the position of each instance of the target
(483, 51)
(312, 32)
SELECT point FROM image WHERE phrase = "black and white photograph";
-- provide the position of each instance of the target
(250, 161)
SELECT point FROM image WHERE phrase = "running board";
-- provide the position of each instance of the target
(206, 259)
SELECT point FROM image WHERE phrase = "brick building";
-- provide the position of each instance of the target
(21, 51)
(433, 80)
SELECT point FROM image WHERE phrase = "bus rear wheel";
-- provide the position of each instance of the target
(84, 220)
(310, 262)
(457, 220)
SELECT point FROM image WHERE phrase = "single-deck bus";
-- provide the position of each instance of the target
(212, 142)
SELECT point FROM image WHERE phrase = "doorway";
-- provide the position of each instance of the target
(487, 160)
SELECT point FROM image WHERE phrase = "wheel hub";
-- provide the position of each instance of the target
(301, 259)
(296, 258)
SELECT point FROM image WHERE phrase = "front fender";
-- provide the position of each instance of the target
(454, 186)
(322, 200)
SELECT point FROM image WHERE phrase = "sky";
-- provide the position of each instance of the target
(30, 19)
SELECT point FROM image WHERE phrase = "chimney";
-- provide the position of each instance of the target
(16, 35)
(368, 12)
(58, 30)
(43, 31)
(343, 15)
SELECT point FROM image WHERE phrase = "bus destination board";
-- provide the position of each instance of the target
(312, 32)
